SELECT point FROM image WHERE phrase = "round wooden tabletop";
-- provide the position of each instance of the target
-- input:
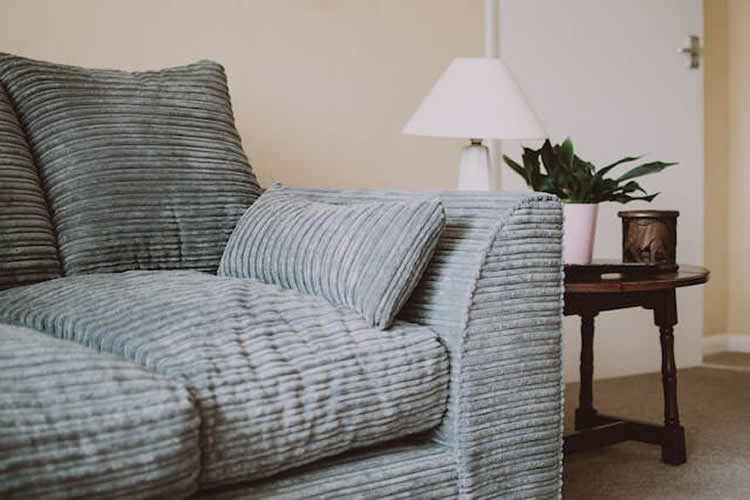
(684, 276)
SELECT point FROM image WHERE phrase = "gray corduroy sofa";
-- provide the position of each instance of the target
(128, 368)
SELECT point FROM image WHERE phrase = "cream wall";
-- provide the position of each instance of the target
(739, 166)
(716, 130)
(727, 190)
(321, 88)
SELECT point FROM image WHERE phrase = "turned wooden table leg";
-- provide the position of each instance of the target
(665, 317)
(586, 415)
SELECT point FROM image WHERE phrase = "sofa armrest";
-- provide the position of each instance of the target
(506, 368)
(493, 292)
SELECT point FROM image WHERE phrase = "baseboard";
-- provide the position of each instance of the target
(731, 342)
(715, 343)
(739, 343)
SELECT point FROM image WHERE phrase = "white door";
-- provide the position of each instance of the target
(608, 74)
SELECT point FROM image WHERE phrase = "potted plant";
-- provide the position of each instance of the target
(581, 187)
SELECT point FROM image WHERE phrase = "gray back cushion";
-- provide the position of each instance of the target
(28, 252)
(366, 257)
(142, 170)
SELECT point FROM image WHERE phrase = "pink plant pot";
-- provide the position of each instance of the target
(579, 228)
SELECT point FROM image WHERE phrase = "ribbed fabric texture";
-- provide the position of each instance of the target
(493, 292)
(75, 423)
(142, 170)
(280, 378)
(28, 251)
(513, 430)
(408, 471)
(367, 257)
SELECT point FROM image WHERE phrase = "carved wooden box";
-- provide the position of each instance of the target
(650, 237)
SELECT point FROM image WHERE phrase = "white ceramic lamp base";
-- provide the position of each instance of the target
(474, 169)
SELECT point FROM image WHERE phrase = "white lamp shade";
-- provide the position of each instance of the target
(475, 98)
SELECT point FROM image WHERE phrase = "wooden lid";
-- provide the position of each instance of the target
(647, 214)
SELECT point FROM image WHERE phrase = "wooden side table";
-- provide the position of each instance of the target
(587, 296)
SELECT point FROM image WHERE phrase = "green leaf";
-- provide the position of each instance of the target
(623, 160)
(531, 165)
(631, 187)
(624, 198)
(605, 170)
(550, 186)
(645, 169)
(549, 158)
(575, 180)
(517, 169)
(580, 164)
(567, 152)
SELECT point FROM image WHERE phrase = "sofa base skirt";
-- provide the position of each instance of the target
(419, 470)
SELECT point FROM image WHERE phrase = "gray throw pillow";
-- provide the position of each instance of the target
(367, 257)
(142, 170)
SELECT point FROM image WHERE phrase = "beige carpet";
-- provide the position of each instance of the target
(715, 411)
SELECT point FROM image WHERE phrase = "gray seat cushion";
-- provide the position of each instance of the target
(367, 257)
(28, 251)
(142, 170)
(281, 378)
(75, 423)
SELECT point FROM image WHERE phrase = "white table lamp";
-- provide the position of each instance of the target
(475, 98)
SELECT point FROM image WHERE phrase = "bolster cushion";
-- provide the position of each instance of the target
(366, 257)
